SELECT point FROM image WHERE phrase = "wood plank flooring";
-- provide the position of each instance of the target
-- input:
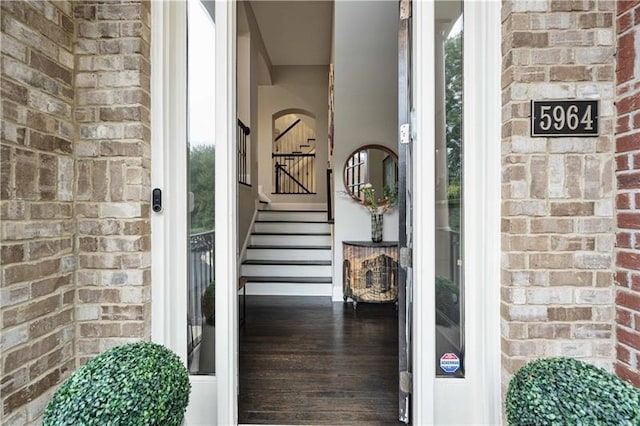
(306, 360)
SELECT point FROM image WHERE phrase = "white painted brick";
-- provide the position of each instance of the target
(588, 260)
(552, 90)
(572, 145)
(604, 208)
(556, 176)
(521, 144)
(549, 295)
(518, 296)
(13, 336)
(605, 243)
(594, 55)
(527, 208)
(133, 295)
(529, 6)
(527, 278)
(66, 58)
(519, 189)
(527, 313)
(519, 91)
(18, 418)
(120, 210)
(598, 296)
(122, 277)
(572, 349)
(595, 225)
(603, 313)
(87, 312)
(35, 409)
(604, 36)
(66, 175)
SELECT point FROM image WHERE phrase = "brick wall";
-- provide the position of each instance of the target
(74, 185)
(36, 189)
(628, 198)
(558, 194)
(113, 166)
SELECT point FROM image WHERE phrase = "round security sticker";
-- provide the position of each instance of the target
(449, 362)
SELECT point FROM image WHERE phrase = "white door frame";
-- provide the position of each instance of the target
(479, 392)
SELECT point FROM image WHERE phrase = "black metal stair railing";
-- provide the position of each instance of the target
(294, 173)
(243, 171)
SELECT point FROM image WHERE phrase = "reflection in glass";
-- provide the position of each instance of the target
(449, 182)
(201, 175)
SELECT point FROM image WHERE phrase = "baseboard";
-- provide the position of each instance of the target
(287, 289)
(337, 295)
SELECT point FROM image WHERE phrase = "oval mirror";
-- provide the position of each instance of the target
(374, 165)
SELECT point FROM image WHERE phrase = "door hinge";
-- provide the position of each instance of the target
(406, 382)
(405, 9)
(406, 257)
(405, 133)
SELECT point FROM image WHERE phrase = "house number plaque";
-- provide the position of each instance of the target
(554, 119)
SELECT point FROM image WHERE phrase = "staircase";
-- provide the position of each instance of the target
(289, 253)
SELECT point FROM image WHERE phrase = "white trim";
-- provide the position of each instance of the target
(423, 349)
(169, 166)
(226, 265)
(243, 251)
(159, 309)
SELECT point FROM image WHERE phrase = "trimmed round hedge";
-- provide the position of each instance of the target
(564, 391)
(134, 384)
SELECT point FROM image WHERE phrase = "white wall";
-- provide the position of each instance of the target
(294, 87)
(366, 107)
(247, 80)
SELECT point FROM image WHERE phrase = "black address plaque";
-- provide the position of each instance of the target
(554, 119)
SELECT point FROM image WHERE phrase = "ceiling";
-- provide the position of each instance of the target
(295, 32)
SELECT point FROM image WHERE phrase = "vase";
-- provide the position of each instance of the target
(376, 227)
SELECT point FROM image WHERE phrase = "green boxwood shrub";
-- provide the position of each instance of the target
(564, 391)
(135, 384)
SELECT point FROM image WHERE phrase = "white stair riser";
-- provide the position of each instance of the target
(288, 254)
(286, 270)
(291, 227)
(288, 240)
(300, 216)
(289, 289)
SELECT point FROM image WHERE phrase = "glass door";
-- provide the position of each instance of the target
(449, 150)
(201, 181)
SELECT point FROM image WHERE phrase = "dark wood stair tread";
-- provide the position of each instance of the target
(272, 247)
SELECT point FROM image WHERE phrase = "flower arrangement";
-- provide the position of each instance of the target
(378, 205)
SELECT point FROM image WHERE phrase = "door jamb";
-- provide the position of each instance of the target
(226, 215)
(423, 177)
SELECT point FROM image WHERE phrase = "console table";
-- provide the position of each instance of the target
(370, 271)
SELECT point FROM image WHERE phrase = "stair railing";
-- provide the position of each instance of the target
(243, 175)
(294, 173)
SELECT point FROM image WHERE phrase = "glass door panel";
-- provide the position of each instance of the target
(449, 150)
(201, 179)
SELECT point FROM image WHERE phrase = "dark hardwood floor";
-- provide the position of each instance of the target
(306, 360)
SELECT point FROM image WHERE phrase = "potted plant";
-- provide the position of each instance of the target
(139, 383)
(208, 342)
